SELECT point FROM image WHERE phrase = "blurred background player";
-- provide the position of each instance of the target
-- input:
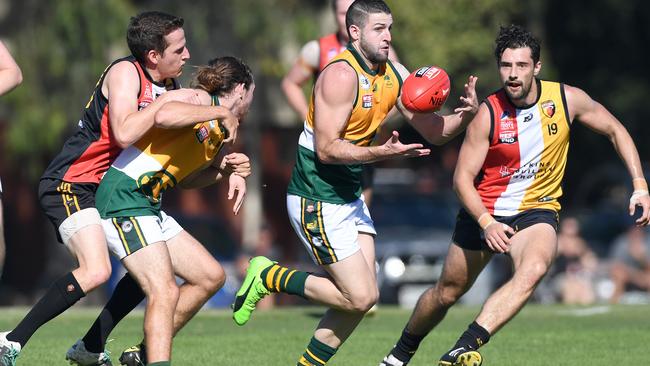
(313, 58)
(630, 267)
(10, 77)
(508, 178)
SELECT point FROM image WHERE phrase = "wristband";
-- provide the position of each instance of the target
(485, 220)
(640, 184)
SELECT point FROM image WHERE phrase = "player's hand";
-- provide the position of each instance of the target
(237, 184)
(394, 147)
(238, 163)
(230, 123)
(642, 199)
(469, 100)
(497, 236)
(182, 95)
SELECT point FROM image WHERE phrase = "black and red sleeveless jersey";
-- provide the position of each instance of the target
(91, 149)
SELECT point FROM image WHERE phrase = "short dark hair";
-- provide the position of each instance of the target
(515, 36)
(358, 12)
(147, 32)
(222, 75)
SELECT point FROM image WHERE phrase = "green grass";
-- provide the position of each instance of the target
(539, 335)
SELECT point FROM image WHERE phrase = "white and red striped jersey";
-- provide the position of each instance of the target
(525, 163)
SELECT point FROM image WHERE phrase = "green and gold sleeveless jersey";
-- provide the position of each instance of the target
(134, 184)
(377, 93)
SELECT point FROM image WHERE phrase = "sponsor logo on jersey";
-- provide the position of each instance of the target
(548, 108)
(147, 97)
(366, 101)
(507, 137)
(507, 124)
(317, 241)
(504, 171)
(202, 133)
(364, 82)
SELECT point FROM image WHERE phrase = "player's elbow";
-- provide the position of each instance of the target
(121, 139)
(163, 118)
(325, 156)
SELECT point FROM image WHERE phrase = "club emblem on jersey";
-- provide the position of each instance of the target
(367, 101)
(388, 82)
(364, 82)
(202, 133)
(127, 226)
(548, 107)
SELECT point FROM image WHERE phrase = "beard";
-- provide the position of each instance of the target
(373, 54)
(522, 93)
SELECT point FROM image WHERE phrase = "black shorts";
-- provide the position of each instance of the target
(469, 235)
(60, 199)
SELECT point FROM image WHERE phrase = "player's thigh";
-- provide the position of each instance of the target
(367, 244)
(139, 242)
(191, 260)
(151, 267)
(462, 266)
(353, 275)
(534, 248)
(88, 245)
(329, 232)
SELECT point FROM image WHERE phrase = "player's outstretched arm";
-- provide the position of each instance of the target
(334, 94)
(595, 116)
(180, 114)
(10, 74)
(470, 160)
(437, 129)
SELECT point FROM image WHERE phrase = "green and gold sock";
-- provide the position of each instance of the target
(281, 279)
(316, 354)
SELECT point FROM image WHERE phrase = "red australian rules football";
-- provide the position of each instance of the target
(425, 90)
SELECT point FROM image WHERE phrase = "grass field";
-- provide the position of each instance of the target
(539, 335)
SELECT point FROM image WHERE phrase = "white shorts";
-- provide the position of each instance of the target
(125, 235)
(329, 231)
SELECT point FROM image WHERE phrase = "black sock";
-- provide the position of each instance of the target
(63, 293)
(126, 296)
(406, 346)
(474, 337)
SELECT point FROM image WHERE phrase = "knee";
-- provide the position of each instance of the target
(445, 294)
(161, 291)
(214, 279)
(91, 278)
(362, 302)
(532, 274)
